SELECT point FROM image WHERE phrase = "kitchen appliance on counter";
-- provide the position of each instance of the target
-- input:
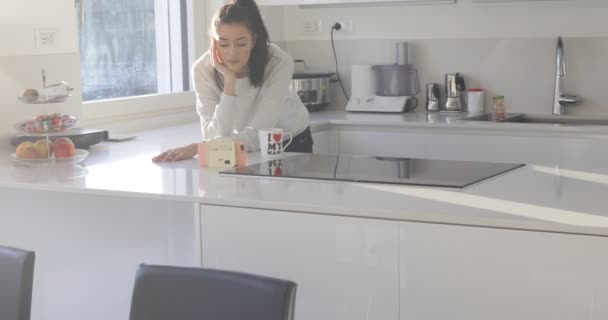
(385, 88)
(433, 96)
(405, 171)
(455, 90)
(312, 87)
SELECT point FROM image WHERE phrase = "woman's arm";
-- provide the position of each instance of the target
(216, 109)
(229, 76)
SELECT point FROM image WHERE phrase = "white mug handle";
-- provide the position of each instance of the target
(288, 143)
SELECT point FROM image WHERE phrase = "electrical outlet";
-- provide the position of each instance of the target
(46, 38)
(309, 26)
(312, 26)
(346, 24)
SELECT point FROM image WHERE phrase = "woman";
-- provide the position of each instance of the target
(243, 84)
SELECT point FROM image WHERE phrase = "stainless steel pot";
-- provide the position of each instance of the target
(312, 87)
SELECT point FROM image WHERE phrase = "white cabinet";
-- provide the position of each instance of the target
(366, 141)
(471, 146)
(354, 268)
(457, 272)
(346, 2)
(396, 142)
(345, 268)
(321, 142)
(88, 247)
(326, 142)
(22, 20)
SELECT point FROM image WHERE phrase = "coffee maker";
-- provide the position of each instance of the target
(455, 92)
(433, 95)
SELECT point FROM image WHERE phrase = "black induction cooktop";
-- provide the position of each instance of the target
(409, 171)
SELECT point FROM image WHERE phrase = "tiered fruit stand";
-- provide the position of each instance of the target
(49, 128)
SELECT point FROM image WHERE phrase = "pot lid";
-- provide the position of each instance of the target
(312, 75)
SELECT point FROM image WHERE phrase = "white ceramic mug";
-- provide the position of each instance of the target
(271, 143)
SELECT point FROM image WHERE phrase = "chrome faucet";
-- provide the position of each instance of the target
(560, 100)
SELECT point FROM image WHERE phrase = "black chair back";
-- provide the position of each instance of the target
(164, 293)
(16, 279)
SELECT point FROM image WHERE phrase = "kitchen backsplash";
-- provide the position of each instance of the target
(18, 73)
(521, 69)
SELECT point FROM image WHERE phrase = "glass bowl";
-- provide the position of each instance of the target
(52, 161)
(47, 123)
(43, 99)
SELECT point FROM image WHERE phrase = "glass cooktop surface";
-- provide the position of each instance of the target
(409, 171)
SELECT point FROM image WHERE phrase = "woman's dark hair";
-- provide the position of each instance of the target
(248, 13)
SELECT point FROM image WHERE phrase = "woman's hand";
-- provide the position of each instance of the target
(182, 153)
(229, 76)
(216, 61)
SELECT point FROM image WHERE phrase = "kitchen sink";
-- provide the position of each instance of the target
(572, 120)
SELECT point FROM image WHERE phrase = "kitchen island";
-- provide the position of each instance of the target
(506, 248)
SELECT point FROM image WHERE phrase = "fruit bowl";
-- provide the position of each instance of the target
(52, 161)
(48, 123)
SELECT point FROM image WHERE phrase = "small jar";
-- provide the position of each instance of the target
(475, 100)
(499, 108)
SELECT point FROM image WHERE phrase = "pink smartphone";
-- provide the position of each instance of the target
(240, 157)
(216, 53)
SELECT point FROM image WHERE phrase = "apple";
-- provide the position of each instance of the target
(64, 148)
(27, 150)
(44, 148)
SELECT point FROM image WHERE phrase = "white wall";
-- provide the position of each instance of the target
(20, 19)
(465, 19)
(275, 23)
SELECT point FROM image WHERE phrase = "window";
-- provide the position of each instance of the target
(133, 47)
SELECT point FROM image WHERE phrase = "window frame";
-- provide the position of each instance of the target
(108, 111)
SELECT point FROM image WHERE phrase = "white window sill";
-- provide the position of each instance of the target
(141, 112)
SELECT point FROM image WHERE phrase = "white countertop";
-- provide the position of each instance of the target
(534, 197)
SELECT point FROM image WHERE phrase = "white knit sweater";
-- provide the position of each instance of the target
(273, 105)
